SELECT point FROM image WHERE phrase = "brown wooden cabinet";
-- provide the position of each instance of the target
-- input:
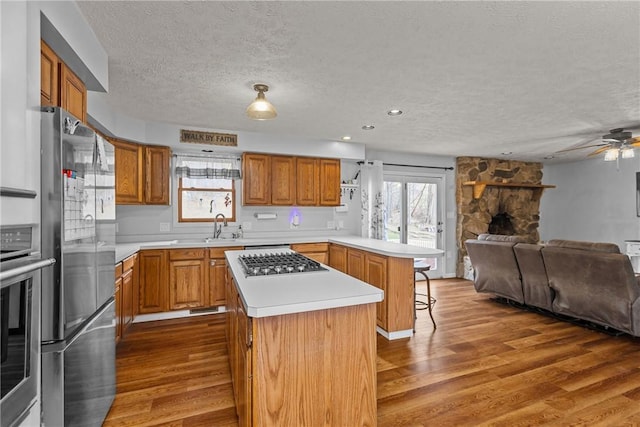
(283, 176)
(256, 182)
(142, 173)
(154, 287)
(329, 192)
(307, 181)
(49, 64)
(73, 93)
(59, 86)
(391, 274)
(157, 175)
(315, 251)
(356, 263)
(118, 301)
(217, 275)
(338, 257)
(188, 279)
(129, 172)
(287, 181)
(375, 273)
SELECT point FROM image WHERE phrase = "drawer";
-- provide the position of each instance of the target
(310, 247)
(195, 253)
(219, 252)
(127, 264)
(118, 270)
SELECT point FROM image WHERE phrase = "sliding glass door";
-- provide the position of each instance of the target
(414, 213)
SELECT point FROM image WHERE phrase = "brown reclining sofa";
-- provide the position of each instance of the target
(588, 281)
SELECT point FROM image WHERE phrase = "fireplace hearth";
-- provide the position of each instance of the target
(501, 224)
(508, 210)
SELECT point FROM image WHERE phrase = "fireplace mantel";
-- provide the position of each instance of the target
(479, 186)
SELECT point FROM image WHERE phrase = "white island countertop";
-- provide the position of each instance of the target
(381, 247)
(275, 295)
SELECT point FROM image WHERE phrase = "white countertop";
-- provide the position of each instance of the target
(275, 295)
(400, 250)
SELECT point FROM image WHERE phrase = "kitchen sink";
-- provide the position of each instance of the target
(206, 240)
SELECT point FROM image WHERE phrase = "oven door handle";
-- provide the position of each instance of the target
(24, 269)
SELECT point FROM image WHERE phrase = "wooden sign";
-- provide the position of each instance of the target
(211, 138)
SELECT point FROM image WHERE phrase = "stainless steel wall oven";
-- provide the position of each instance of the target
(19, 323)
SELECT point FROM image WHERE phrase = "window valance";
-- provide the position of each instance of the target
(195, 167)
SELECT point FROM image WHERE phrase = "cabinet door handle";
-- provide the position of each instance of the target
(212, 262)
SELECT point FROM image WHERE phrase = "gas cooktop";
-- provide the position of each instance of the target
(266, 264)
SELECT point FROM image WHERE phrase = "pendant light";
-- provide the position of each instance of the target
(260, 108)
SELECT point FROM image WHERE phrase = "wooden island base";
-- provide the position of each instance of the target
(312, 368)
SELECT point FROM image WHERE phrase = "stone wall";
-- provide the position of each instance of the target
(520, 203)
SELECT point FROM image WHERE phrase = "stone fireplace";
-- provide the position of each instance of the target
(500, 207)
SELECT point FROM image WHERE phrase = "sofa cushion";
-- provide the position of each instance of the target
(535, 284)
(502, 238)
(585, 246)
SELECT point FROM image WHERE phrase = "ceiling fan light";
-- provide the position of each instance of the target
(627, 153)
(260, 108)
(611, 154)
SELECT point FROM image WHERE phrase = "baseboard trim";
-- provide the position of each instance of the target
(151, 317)
(396, 335)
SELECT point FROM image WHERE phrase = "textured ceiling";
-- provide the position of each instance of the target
(473, 78)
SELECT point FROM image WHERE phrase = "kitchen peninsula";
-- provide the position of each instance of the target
(302, 345)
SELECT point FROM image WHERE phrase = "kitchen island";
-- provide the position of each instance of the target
(302, 346)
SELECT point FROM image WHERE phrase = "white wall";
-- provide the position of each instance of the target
(593, 201)
(20, 91)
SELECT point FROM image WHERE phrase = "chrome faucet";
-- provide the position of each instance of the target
(217, 230)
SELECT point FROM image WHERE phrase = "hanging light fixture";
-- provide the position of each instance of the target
(627, 152)
(611, 154)
(260, 108)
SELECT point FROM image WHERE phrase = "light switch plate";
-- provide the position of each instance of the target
(331, 224)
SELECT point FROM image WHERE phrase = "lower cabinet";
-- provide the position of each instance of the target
(315, 251)
(391, 274)
(154, 284)
(181, 279)
(188, 281)
(126, 289)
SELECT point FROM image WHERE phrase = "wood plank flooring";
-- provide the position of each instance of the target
(486, 364)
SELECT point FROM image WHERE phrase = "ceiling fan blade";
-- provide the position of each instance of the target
(599, 151)
(635, 142)
(580, 148)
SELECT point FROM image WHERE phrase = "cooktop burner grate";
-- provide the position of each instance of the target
(267, 264)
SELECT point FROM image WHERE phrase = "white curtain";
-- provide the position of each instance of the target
(371, 188)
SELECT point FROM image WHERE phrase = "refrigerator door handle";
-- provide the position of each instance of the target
(62, 345)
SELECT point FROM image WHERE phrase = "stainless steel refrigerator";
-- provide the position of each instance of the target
(78, 308)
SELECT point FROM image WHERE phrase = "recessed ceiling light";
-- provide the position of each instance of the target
(207, 151)
(346, 138)
(549, 157)
(507, 153)
(368, 127)
(394, 112)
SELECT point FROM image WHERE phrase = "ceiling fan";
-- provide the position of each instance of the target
(618, 143)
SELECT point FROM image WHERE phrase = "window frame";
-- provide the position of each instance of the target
(232, 190)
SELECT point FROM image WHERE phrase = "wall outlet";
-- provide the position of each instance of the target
(165, 226)
(117, 227)
(340, 224)
(246, 225)
(331, 225)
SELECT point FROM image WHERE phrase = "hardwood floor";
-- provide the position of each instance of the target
(486, 364)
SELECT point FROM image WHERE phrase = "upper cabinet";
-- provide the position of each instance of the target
(142, 173)
(286, 180)
(256, 184)
(329, 194)
(129, 172)
(59, 86)
(157, 173)
(49, 64)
